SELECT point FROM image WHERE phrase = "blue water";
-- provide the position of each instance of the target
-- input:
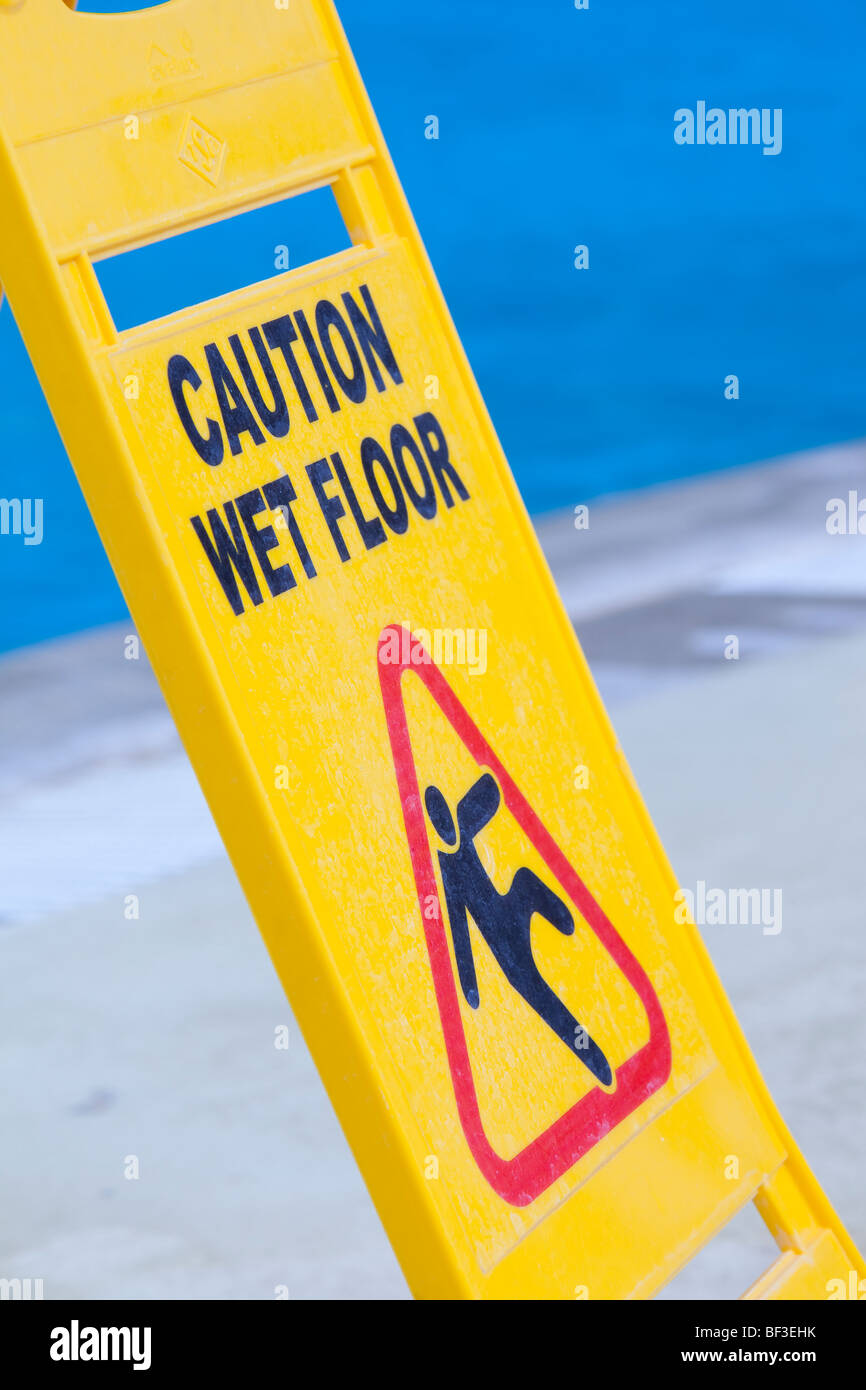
(556, 128)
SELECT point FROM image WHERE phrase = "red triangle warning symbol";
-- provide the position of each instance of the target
(469, 908)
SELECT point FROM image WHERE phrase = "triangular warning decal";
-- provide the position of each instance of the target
(472, 924)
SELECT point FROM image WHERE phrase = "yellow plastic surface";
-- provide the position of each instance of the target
(501, 1166)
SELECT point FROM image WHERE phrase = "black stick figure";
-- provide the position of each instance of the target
(504, 919)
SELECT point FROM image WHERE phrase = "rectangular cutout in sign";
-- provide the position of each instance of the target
(191, 267)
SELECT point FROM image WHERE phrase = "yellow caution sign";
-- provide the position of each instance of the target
(318, 536)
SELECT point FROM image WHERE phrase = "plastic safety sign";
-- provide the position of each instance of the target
(317, 534)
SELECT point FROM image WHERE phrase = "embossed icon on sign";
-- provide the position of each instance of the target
(202, 151)
(165, 67)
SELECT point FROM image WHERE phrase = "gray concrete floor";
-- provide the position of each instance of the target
(153, 1038)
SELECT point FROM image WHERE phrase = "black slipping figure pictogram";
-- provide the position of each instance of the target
(503, 919)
